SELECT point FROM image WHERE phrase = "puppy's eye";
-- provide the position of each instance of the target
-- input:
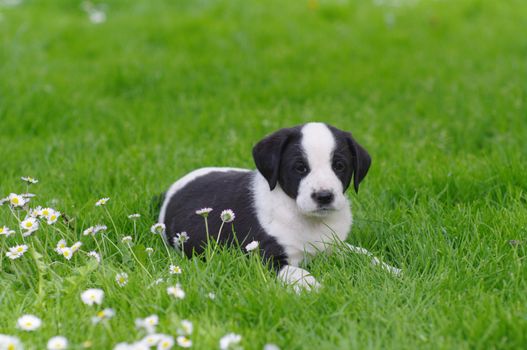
(300, 168)
(338, 165)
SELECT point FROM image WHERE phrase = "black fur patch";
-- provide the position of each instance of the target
(220, 191)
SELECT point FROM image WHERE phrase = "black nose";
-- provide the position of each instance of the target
(322, 197)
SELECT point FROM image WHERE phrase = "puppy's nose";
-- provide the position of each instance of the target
(323, 197)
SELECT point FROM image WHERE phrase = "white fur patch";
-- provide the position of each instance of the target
(318, 144)
(298, 234)
(299, 278)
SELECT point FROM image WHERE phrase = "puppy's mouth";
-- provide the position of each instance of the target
(323, 211)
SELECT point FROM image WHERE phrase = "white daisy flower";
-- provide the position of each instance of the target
(67, 253)
(204, 212)
(121, 279)
(271, 347)
(16, 200)
(151, 339)
(126, 239)
(92, 296)
(10, 343)
(148, 323)
(158, 229)
(227, 216)
(29, 323)
(29, 180)
(252, 246)
(16, 251)
(61, 245)
(180, 239)
(58, 343)
(166, 342)
(97, 16)
(186, 328)
(176, 291)
(6, 231)
(211, 295)
(174, 270)
(183, 341)
(92, 231)
(34, 213)
(95, 255)
(228, 340)
(53, 217)
(76, 246)
(43, 212)
(123, 346)
(102, 201)
(134, 216)
(28, 195)
(105, 314)
(149, 250)
(29, 224)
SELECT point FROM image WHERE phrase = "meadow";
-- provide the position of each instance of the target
(118, 99)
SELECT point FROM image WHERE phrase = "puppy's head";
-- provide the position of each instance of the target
(313, 164)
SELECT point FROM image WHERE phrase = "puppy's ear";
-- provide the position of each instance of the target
(268, 152)
(361, 161)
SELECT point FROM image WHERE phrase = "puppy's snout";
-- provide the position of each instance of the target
(323, 197)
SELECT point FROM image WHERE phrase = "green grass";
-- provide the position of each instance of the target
(434, 90)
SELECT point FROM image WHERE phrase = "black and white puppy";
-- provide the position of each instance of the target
(294, 204)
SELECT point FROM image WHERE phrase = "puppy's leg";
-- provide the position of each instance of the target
(374, 260)
(299, 278)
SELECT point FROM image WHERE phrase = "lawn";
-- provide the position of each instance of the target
(435, 90)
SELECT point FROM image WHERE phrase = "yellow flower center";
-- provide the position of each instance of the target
(29, 224)
(100, 314)
(19, 249)
(15, 200)
(11, 346)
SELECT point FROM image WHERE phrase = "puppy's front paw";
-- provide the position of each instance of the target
(299, 278)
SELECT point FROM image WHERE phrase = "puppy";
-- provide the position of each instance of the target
(294, 204)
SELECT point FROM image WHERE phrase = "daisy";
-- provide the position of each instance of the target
(151, 339)
(180, 239)
(134, 216)
(158, 229)
(4, 200)
(53, 217)
(126, 239)
(29, 323)
(34, 213)
(29, 180)
(105, 314)
(211, 295)
(176, 291)
(57, 343)
(149, 250)
(16, 251)
(228, 340)
(76, 246)
(166, 342)
(43, 212)
(121, 279)
(92, 296)
(97, 16)
(186, 328)
(92, 231)
(61, 245)
(16, 200)
(175, 270)
(10, 343)
(271, 347)
(183, 341)
(29, 224)
(6, 231)
(95, 255)
(102, 201)
(204, 212)
(227, 216)
(149, 323)
(252, 246)
(67, 253)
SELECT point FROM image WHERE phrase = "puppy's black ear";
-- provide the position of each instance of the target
(268, 152)
(361, 162)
